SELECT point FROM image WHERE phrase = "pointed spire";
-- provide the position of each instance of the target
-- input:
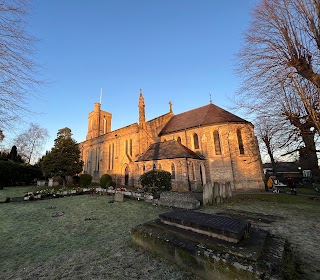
(170, 105)
(210, 98)
(142, 117)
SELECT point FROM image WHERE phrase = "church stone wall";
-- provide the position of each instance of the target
(115, 153)
(115, 146)
(243, 170)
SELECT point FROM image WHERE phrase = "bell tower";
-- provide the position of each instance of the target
(99, 122)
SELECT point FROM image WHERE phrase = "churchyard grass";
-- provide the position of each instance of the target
(15, 191)
(294, 217)
(92, 239)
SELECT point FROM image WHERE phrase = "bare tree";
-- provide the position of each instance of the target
(280, 66)
(1, 135)
(31, 142)
(283, 46)
(17, 67)
(270, 135)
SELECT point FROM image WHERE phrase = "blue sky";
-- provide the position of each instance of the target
(174, 50)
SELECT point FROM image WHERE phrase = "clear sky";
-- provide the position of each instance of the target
(174, 50)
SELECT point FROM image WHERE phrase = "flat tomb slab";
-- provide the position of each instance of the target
(209, 263)
(224, 228)
(249, 248)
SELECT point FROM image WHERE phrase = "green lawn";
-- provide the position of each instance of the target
(302, 190)
(35, 245)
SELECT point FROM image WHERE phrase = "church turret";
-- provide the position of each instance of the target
(99, 122)
(142, 116)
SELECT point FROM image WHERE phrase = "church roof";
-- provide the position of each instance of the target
(206, 115)
(167, 150)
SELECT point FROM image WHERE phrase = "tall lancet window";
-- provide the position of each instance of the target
(130, 150)
(196, 141)
(173, 171)
(216, 139)
(240, 142)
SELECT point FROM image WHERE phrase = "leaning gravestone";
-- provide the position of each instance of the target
(178, 200)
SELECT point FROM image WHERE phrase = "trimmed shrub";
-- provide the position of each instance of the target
(156, 180)
(106, 181)
(85, 180)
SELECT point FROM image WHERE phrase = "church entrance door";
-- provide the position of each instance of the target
(126, 176)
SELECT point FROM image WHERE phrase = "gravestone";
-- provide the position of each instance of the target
(216, 192)
(118, 197)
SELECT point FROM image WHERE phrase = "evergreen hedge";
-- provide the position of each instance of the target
(156, 180)
(106, 181)
(85, 180)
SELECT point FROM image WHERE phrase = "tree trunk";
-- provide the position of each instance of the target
(308, 155)
(273, 163)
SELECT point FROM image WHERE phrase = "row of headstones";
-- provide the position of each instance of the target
(216, 192)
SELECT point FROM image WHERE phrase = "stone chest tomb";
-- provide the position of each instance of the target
(213, 246)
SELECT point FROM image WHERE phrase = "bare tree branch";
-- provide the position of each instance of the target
(280, 67)
(30, 143)
(18, 69)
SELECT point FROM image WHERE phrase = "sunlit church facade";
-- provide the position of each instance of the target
(204, 145)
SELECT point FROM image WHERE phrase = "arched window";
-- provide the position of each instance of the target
(126, 147)
(144, 169)
(97, 159)
(179, 139)
(109, 157)
(240, 142)
(196, 141)
(154, 166)
(192, 171)
(216, 140)
(130, 150)
(88, 161)
(112, 164)
(173, 171)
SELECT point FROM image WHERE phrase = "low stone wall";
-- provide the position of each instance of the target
(216, 192)
(178, 200)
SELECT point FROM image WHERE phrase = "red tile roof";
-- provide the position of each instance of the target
(167, 150)
(202, 116)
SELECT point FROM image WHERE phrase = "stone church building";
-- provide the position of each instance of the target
(204, 145)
